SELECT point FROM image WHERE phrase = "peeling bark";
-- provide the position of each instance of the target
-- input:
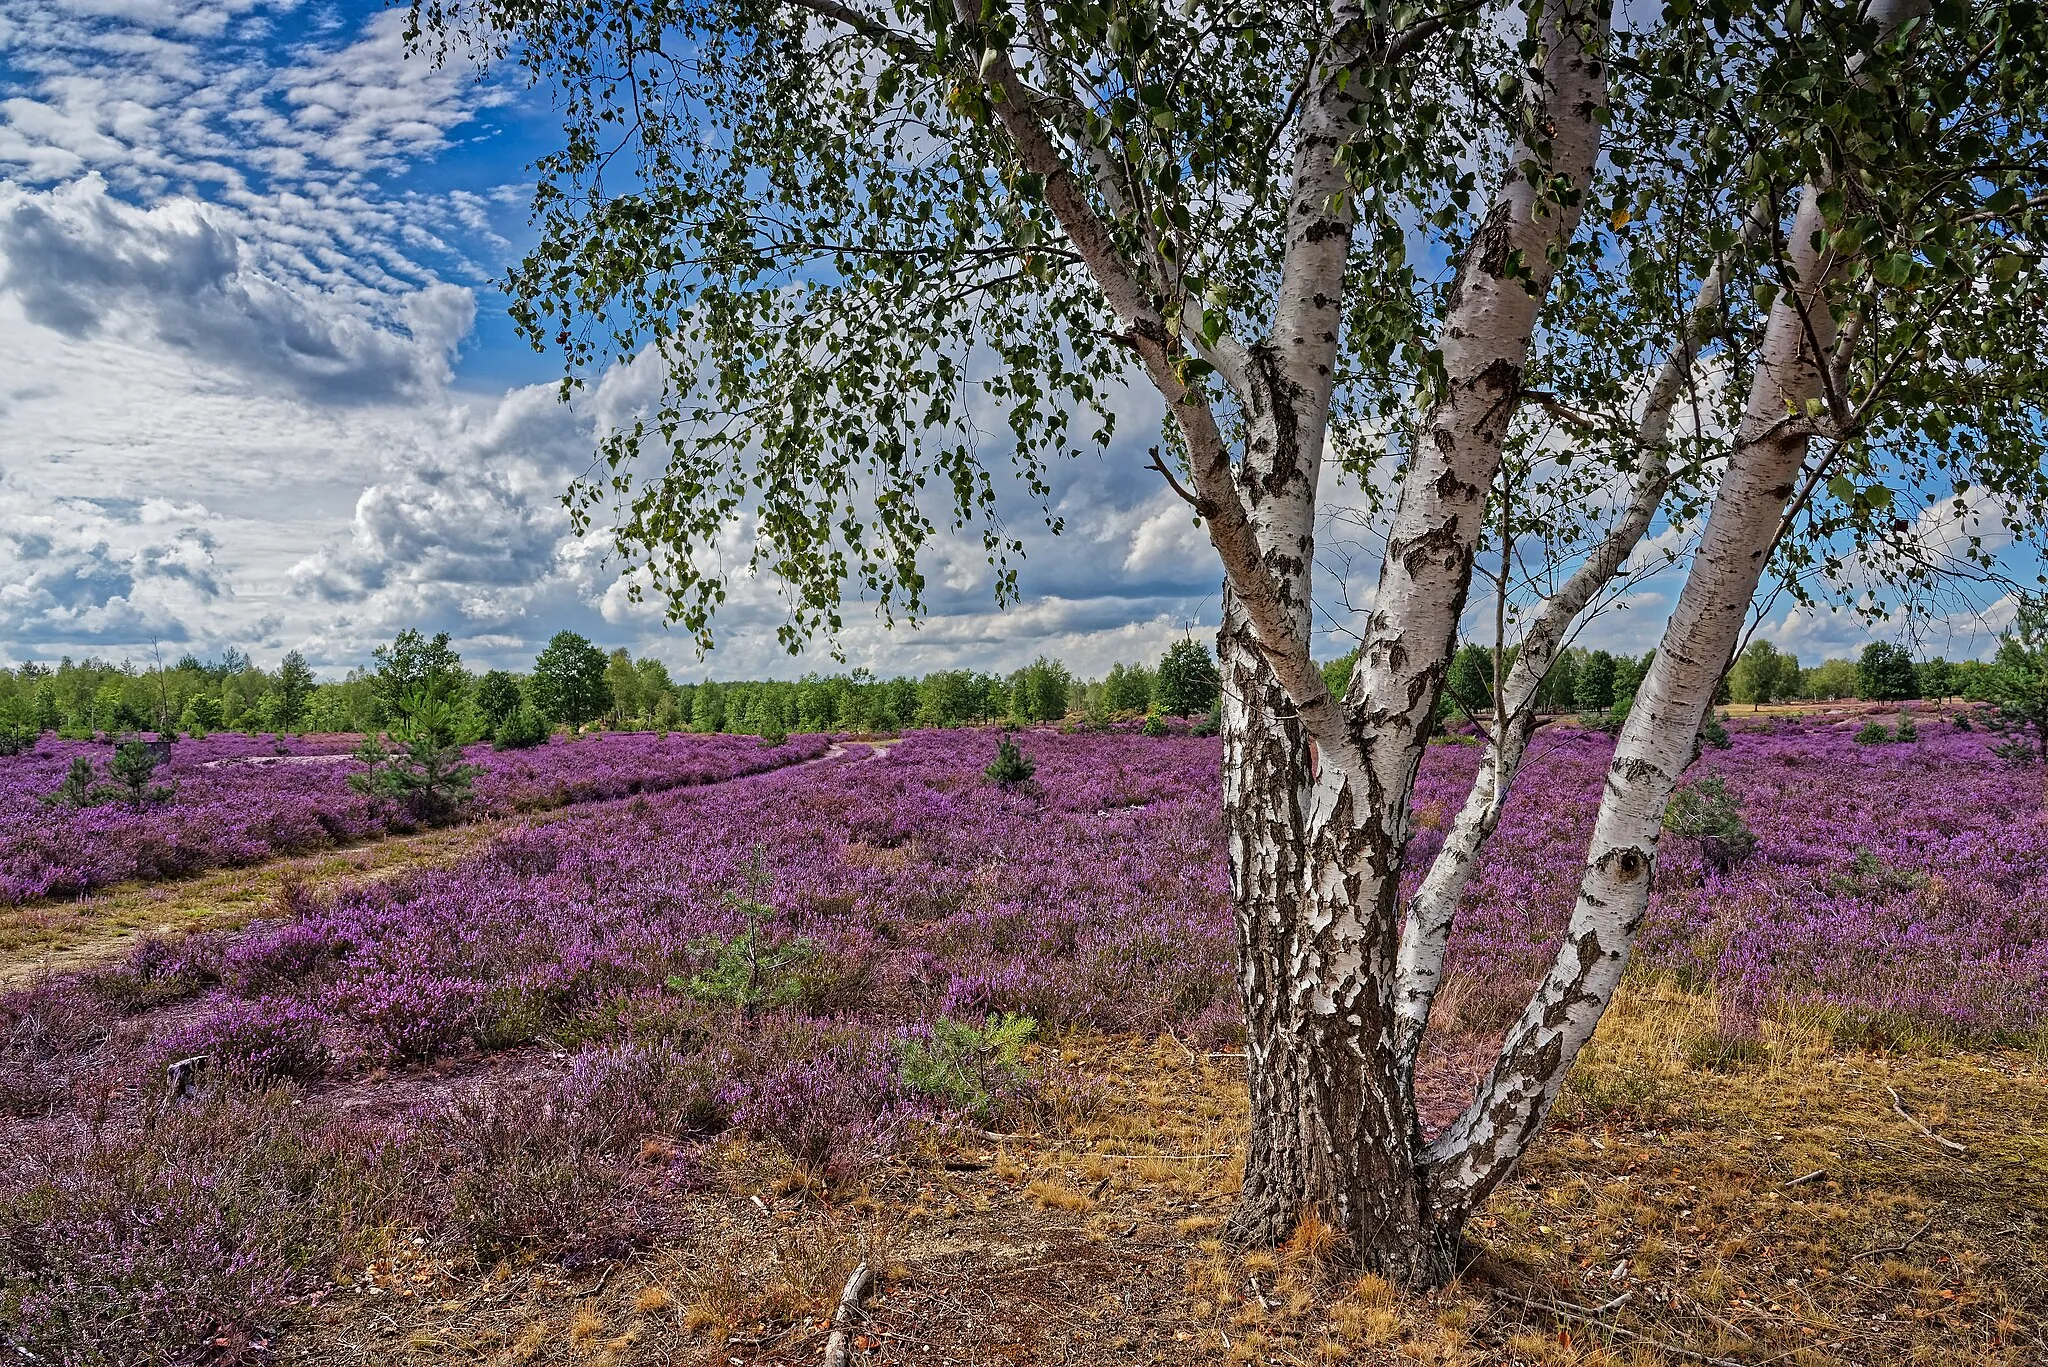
(1316, 851)
(1656, 743)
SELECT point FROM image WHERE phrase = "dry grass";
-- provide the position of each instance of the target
(1773, 1210)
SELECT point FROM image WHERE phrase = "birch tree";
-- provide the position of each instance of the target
(1763, 282)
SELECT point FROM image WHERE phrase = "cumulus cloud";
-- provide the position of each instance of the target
(76, 571)
(82, 262)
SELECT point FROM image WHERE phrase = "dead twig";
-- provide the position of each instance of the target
(839, 1347)
(1957, 1149)
(1911, 1239)
(1802, 1181)
(1590, 1316)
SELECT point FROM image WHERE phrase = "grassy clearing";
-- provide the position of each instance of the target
(1762, 1206)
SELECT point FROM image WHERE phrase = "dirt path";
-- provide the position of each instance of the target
(65, 936)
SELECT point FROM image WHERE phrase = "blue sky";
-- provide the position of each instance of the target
(257, 387)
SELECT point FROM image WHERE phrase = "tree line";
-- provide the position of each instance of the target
(574, 683)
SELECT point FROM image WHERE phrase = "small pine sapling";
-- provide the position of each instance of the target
(1710, 814)
(1714, 732)
(755, 968)
(1908, 729)
(1011, 766)
(969, 1069)
(426, 775)
(1873, 733)
(80, 787)
(133, 766)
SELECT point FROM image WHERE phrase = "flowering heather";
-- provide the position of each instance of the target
(239, 801)
(894, 899)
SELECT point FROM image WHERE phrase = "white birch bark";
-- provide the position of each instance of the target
(1316, 855)
(1657, 741)
(1425, 933)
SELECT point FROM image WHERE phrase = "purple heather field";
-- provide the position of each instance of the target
(582, 981)
(242, 799)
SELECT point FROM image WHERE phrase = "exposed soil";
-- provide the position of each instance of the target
(1782, 1212)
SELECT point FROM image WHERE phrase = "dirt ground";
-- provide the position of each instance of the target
(1681, 1208)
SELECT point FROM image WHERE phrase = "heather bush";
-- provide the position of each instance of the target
(187, 1238)
(503, 1171)
(615, 1095)
(270, 957)
(412, 1016)
(153, 972)
(832, 1097)
(268, 1037)
(47, 1032)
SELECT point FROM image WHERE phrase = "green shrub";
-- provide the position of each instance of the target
(1908, 730)
(1873, 733)
(522, 729)
(750, 971)
(1715, 732)
(1963, 722)
(1011, 765)
(755, 968)
(1707, 812)
(969, 1068)
(1155, 725)
(1212, 723)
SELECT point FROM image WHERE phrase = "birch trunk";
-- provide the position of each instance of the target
(1317, 831)
(1657, 742)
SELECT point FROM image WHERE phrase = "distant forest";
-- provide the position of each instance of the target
(576, 684)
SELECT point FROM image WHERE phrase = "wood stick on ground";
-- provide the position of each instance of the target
(1890, 1249)
(1957, 1149)
(839, 1347)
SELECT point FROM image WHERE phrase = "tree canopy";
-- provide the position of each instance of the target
(569, 680)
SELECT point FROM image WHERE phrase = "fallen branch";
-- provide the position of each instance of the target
(1911, 1239)
(1957, 1149)
(1802, 1181)
(839, 1347)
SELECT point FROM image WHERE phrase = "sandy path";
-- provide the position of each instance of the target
(65, 936)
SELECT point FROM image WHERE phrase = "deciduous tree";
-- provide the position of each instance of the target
(1534, 281)
(569, 682)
